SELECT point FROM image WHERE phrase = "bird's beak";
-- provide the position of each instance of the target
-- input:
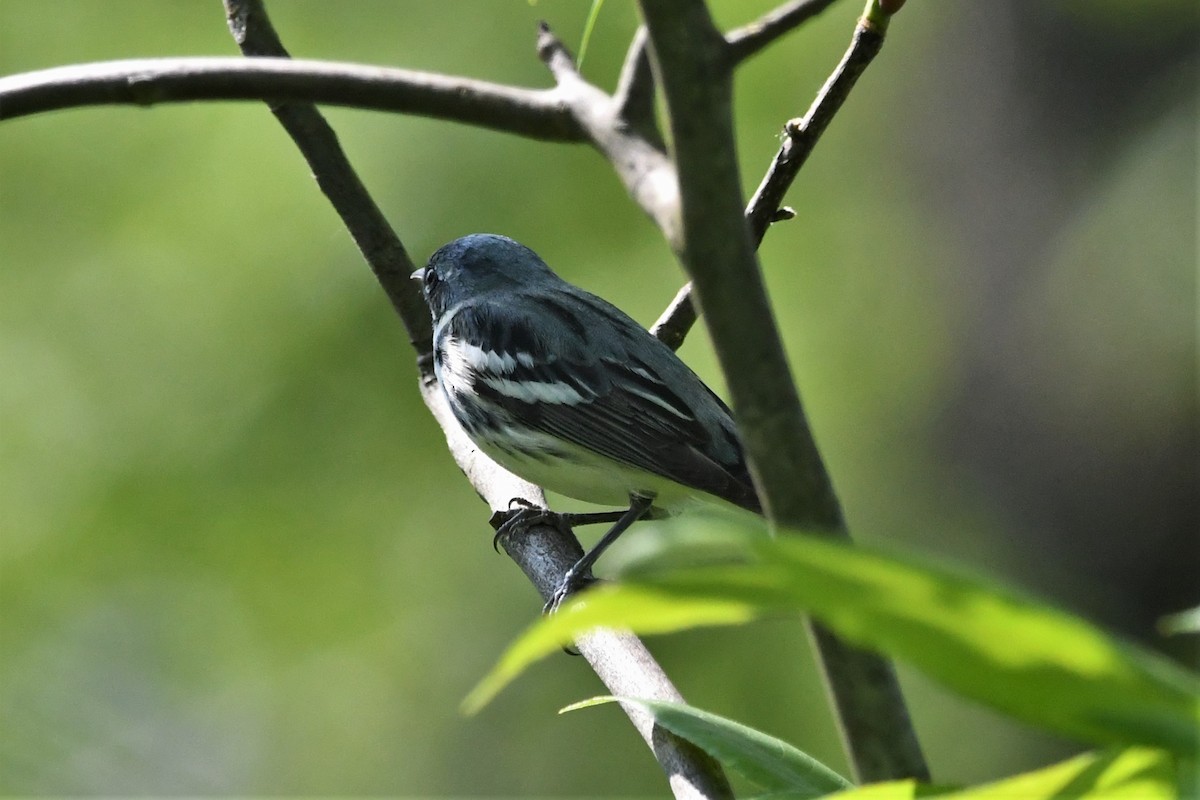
(418, 275)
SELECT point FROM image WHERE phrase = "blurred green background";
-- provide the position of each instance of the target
(234, 554)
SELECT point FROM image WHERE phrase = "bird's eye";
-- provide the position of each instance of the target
(432, 279)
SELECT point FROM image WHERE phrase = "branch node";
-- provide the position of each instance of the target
(783, 213)
(144, 89)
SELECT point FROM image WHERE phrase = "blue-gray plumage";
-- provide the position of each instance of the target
(549, 357)
(567, 391)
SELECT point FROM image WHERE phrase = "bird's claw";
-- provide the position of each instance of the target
(571, 583)
(524, 516)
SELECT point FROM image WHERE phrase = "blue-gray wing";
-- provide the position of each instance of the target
(576, 368)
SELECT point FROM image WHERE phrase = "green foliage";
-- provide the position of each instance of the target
(229, 522)
(787, 773)
(987, 642)
(1137, 773)
(771, 763)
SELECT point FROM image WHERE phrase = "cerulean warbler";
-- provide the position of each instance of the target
(567, 391)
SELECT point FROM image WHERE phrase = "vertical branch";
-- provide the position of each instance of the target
(694, 69)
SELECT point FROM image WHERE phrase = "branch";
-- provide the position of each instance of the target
(677, 319)
(696, 78)
(544, 553)
(537, 113)
(719, 255)
(800, 137)
(574, 111)
(802, 134)
(749, 39)
(618, 658)
(634, 96)
(376, 240)
(640, 162)
(622, 129)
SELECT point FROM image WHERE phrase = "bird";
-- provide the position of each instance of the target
(565, 390)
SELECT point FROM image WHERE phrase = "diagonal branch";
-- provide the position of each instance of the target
(376, 240)
(696, 79)
(677, 318)
(801, 135)
(544, 553)
(800, 138)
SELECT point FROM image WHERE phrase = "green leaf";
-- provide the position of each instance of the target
(989, 643)
(1138, 773)
(588, 27)
(643, 609)
(992, 644)
(771, 763)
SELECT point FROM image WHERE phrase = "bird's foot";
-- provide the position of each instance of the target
(571, 583)
(522, 515)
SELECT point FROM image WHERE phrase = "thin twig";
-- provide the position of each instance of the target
(677, 319)
(696, 80)
(544, 552)
(750, 39)
(800, 137)
(555, 55)
(634, 96)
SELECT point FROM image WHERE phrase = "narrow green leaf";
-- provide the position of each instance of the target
(771, 763)
(992, 644)
(644, 609)
(588, 27)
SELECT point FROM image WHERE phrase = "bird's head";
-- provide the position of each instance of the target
(478, 264)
